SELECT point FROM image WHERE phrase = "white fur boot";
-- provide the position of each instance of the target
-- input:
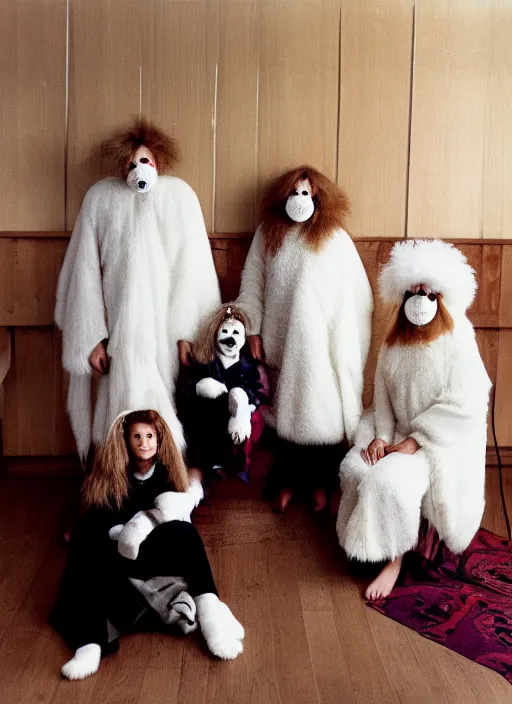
(222, 632)
(85, 662)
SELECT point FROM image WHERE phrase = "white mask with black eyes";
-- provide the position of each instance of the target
(230, 340)
(300, 206)
(142, 173)
(421, 308)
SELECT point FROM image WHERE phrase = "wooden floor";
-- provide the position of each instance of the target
(309, 636)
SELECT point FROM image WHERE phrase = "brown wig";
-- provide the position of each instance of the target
(117, 150)
(331, 207)
(205, 347)
(107, 485)
(403, 332)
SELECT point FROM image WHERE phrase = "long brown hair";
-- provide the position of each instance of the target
(107, 485)
(117, 150)
(205, 346)
(403, 332)
(331, 207)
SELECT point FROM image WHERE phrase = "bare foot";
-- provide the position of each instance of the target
(385, 581)
(319, 499)
(282, 502)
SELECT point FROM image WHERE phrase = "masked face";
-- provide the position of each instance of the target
(420, 307)
(299, 206)
(142, 173)
(231, 338)
(143, 441)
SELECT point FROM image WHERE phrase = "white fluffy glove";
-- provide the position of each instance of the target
(239, 426)
(178, 505)
(169, 506)
(210, 388)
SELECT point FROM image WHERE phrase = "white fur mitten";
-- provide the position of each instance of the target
(239, 426)
(210, 388)
(222, 632)
(169, 506)
(177, 506)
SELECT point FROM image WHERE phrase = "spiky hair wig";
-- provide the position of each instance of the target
(434, 263)
(118, 149)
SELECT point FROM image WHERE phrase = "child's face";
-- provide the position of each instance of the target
(143, 441)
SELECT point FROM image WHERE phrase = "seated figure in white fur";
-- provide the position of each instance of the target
(422, 451)
(225, 390)
(164, 572)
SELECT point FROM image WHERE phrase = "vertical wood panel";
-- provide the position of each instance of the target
(32, 113)
(298, 92)
(498, 153)
(178, 84)
(376, 52)
(448, 118)
(236, 205)
(35, 422)
(505, 311)
(104, 85)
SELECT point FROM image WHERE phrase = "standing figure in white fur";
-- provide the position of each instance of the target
(137, 281)
(423, 449)
(139, 495)
(309, 304)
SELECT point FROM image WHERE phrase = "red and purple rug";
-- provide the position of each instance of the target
(463, 602)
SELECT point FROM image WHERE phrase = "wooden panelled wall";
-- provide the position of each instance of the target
(407, 104)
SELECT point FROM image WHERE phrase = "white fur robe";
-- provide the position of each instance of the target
(138, 271)
(314, 312)
(437, 394)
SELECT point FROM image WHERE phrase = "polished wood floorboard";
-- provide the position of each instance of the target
(310, 638)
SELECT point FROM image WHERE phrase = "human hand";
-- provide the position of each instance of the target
(99, 359)
(256, 347)
(409, 446)
(375, 451)
(185, 352)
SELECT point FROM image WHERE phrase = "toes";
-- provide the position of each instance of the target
(225, 647)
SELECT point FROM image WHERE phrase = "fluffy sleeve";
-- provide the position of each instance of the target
(80, 310)
(195, 293)
(384, 417)
(351, 326)
(461, 409)
(252, 286)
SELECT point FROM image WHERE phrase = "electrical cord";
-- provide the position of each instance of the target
(500, 466)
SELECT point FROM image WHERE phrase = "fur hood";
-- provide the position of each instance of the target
(435, 263)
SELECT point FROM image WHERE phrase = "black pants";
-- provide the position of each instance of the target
(304, 468)
(95, 588)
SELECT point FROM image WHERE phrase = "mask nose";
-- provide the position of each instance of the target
(229, 341)
(141, 184)
(421, 292)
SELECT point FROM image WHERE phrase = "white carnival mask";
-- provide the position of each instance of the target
(142, 174)
(230, 339)
(421, 308)
(300, 206)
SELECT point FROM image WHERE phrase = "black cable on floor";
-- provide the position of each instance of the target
(500, 466)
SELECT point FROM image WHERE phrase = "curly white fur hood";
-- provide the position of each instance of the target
(435, 263)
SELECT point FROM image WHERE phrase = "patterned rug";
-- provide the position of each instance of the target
(463, 602)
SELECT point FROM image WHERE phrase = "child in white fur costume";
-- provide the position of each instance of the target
(422, 452)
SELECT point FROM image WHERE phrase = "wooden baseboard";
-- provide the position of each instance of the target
(505, 455)
(48, 466)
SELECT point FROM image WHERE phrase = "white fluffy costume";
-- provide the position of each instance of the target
(435, 392)
(313, 310)
(138, 271)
